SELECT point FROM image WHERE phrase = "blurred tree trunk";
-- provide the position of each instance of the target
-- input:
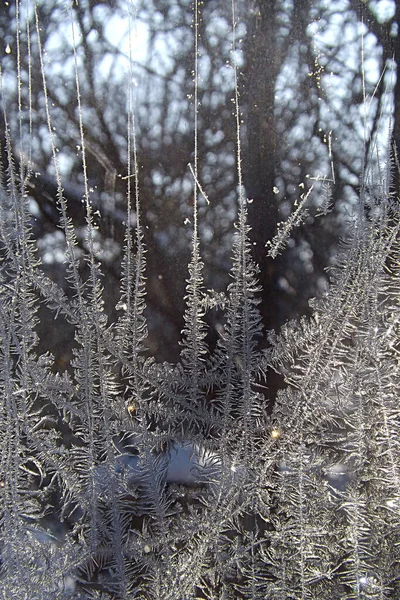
(396, 128)
(260, 159)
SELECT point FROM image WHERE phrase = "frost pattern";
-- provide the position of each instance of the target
(174, 482)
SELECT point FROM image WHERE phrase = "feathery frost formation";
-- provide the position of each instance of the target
(123, 478)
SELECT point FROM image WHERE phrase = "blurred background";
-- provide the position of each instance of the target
(317, 85)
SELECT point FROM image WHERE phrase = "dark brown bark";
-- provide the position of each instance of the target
(396, 117)
(261, 149)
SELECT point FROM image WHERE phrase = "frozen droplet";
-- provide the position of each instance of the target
(275, 190)
(8, 49)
